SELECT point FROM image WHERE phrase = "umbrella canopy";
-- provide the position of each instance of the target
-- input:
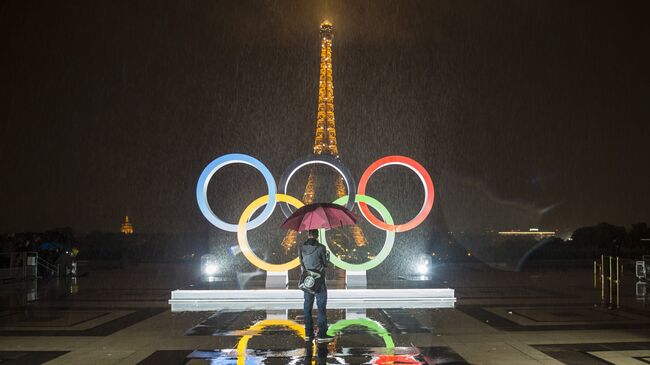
(319, 215)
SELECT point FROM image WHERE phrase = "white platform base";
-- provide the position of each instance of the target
(277, 279)
(278, 299)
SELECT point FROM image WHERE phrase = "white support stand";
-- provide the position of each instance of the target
(277, 279)
(355, 313)
(277, 314)
(355, 280)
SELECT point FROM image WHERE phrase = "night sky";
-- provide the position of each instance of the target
(524, 112)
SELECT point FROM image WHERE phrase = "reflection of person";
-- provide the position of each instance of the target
(314, 257)
(321, 354)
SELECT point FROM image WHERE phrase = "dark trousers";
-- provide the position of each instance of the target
(321, 303)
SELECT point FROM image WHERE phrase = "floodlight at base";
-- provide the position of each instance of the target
(278, 299)
(210, 270)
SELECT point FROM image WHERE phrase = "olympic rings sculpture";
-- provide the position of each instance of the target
(273, 197)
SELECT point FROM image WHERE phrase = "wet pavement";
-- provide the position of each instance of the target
(121, 316)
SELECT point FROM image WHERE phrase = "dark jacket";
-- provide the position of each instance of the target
(314, 255)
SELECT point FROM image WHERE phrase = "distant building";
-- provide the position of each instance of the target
(127, 227)
(535, 232)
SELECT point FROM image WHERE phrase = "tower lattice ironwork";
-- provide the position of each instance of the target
(325, 141)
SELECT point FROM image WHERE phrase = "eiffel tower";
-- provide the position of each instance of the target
(325, 143)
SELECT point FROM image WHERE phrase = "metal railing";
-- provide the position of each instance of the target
(18, 265)
(24, 265)
(12, 273)
(609, 268)
(53, 269)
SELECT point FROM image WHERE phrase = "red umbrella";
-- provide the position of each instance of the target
(319, 215)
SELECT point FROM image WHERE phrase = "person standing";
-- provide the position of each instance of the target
(314, 257)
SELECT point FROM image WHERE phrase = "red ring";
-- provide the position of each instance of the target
(426, 182)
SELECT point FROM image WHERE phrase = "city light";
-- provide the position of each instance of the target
(530, 232)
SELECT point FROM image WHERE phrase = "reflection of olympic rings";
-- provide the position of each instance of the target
(317, 159)
(333, 330)
(424, 178)
(272, 198)
(379, 330)
(374, 326)
(243, 342)
(396, 359)
(385, 250)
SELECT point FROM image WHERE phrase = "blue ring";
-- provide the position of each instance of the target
(204, 180)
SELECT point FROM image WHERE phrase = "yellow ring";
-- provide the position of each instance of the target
(243, 239)
(243, 342)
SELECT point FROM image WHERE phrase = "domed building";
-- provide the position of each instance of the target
(127, 227)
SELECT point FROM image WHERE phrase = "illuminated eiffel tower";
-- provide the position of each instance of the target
(325, 144)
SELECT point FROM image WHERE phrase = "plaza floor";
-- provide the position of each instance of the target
(121, 316)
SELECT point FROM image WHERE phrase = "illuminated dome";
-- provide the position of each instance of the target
(127, 227)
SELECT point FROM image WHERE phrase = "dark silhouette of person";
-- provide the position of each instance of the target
(314, 256)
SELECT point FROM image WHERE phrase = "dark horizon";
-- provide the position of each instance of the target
(523, 112)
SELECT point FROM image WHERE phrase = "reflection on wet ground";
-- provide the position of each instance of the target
(329, 354)
(360, 337)
(237, 323)
(122, 317)
(356, 341)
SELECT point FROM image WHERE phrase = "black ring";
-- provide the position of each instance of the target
(350, 184)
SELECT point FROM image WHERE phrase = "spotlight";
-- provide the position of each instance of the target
(422, 268)
(209, 265)
(210, 270)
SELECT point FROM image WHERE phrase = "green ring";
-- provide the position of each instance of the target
(364, 322)
(388, 244)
